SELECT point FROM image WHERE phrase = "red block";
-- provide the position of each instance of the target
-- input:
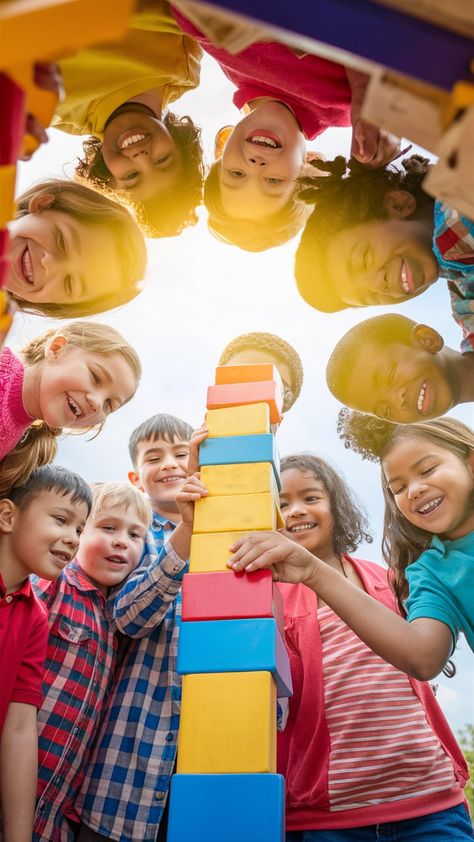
(231, 596)
(239, 394)
(12, 98)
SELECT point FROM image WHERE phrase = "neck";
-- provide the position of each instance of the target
(153, 99)
(13, 573)
(30, 390)
(169, 511)
(330, 558)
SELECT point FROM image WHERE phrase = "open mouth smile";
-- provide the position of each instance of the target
(423, 400)
(406, 278)
(131, 139)
(74, 407)
(300, 527)
(116, 560)
(429, 507)
(171, 479)
(62, 557)
(265, 139)
(27, 267)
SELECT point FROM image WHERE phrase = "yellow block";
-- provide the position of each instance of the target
(7, 191)
(210, 551)
(228, 723)
(239, 420)
(235, 512)
(246, 478)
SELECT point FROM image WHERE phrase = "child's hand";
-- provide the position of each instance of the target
(197, 437)
(373, 146)
(47, 76)
(192, 490)
(289, 561)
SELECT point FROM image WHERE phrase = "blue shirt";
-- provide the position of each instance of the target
(441, 585)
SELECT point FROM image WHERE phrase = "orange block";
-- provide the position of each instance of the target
(226, 374)
(239, 394)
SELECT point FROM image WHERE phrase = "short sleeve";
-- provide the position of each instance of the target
(428, 598)
(28, 682)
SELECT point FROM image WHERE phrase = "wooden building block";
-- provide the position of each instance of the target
(7, 190)
(231, 596)
(247, 478)
(237, 808)
(238, 420)
(235, 513)
(210, 551)
(238, 394)
(249, 373)
(228, 723)
(240, 646)
(234, 450)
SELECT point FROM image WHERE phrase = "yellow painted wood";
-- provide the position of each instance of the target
(7, 191)
(210, 551)
(246, 420)
(235, 512)
(245, 478)
(228, 723)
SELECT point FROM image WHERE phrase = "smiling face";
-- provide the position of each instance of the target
(381, 262)
(161, 472)
(112, 544)
(56, 259)
(306, 508)
(261, 161)
(431, 486)
(140, 154)
(46, 533)
(73, 387)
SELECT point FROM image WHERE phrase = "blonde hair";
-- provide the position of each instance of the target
(122, 494)
(94, 208)
(38, 446)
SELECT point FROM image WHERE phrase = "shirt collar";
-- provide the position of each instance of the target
(457, 543)
(163, 522)
(74, 574)
(24, 591)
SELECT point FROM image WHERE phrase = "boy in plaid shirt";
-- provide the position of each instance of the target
(82, 650)
(127, 781)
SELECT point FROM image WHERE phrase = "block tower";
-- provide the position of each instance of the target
(231, 652)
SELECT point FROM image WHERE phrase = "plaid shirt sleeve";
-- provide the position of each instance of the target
(453, 245)
(140, 606)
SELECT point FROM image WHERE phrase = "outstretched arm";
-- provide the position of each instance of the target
(18, 772)
(420, 648)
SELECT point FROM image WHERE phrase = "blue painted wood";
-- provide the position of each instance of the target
(233, 450)
(234, 808)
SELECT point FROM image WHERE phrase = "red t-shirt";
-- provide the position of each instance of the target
(23, 640)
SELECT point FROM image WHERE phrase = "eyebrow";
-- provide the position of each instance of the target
(415, 465)
(304, 490)
(74, 235)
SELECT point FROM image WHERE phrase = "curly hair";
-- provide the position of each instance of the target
(350, 195)
(350, 522)
(251, 234)
(174, 209)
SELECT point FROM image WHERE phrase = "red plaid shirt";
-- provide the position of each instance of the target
(82, 650)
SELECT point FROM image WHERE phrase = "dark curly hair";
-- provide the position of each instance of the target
(349, 195)
(174, 209)
(350, 522)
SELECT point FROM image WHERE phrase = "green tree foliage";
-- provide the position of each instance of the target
(466, 741)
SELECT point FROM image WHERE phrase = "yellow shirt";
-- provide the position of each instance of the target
(153, 54)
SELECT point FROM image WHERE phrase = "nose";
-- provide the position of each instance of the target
(169, 461)
(135, 153)
(415, 488)
(71, 538)
(120, 540)
(295, 509)
(257, 160)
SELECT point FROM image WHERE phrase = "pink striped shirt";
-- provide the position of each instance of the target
(382, 749)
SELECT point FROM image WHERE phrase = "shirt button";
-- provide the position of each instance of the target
(169, 738)
(8, 598)
(160, 795)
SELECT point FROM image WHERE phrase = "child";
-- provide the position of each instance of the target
(82, 650)
(40, 523)
(72, 377)
(373, 239)
(119, 93)
(253, 348)
(289, 97)
(127, 781)
(362, 740)
(428, 481)
(399, 370)
(73, 251)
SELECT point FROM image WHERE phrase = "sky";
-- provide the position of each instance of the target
(199, 294)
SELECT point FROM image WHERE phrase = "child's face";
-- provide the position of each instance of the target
(261, 161)
(141, 155)
(399, 382)
(79, 388)
(56, 259)
(161, 471)
(306, 508)
(46, 533)
(431, 486)
(112, 544)
(381, 262)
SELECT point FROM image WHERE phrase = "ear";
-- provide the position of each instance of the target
(309, 169)
(8, 512)
(427, 337)
(55, 347)
(41, 203)
(399, 204)
(135, 480)
(221, 139)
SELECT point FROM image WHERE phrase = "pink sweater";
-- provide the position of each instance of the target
(14, 419)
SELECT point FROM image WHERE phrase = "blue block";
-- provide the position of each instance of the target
(234, 450)
(235, 646)
(234, 808)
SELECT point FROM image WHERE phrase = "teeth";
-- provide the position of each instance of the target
(301, 527)
(264, 141)
(74, 406)
(171, 479)
(421, 397)
(428, 507)
(134, 138)
(404, 279)
(27, 266)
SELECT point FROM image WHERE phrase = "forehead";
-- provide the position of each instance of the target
(159, 444)
(293, 479)
(407, 452)
(366, 373)
(61, 499)
(114, 508)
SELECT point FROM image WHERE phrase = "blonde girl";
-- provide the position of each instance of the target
(73, 378)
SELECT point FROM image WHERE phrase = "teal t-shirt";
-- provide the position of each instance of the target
(441, 585)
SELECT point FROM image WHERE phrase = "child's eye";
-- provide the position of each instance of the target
(391, 375)
(426, 471)
(108, 527)
(312, 499)
(272, 180)
(237, 173)
(60, 519)
(153, 459)
(136, 536)
(182, 455)
(398, 490)
(95, 376)
(167, 159)
(283, 505)
(68, 285)
(60, 242)
(131, 175)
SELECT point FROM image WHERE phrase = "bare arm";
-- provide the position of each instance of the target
(420, 648)
(18, 772)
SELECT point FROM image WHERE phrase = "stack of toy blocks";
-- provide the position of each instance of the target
(231, 652)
